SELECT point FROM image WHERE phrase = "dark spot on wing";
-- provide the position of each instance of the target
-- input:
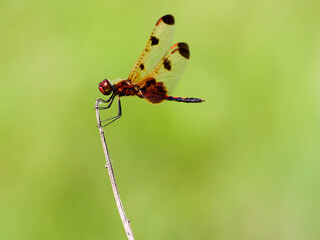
(150, 82)
(154, 40)
(184, 52)
(153, 91)
(183, 49)
(141, 66)
(183, 45)
(167, 64)
(168, 19)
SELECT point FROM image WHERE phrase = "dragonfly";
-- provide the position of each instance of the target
(155, 73)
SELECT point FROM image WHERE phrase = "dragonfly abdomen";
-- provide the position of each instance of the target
(185, 99)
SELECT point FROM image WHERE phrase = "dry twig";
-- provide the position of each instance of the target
(124, 219)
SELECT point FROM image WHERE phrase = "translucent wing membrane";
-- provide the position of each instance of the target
(157, 46)
(170, 68)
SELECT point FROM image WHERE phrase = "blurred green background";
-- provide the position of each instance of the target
(243, 165)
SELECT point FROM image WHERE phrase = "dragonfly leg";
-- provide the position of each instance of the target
(111, 120)
(106, 101)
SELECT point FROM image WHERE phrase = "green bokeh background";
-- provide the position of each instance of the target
(243, 165)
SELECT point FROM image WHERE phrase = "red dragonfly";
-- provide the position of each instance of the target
(155, 73)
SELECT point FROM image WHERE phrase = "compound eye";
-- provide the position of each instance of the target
(105, 87)
(105, 83)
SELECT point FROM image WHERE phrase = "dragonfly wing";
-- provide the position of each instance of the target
(156, 86)
(157, 46)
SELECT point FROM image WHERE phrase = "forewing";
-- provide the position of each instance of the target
(157, 46)
(170, 68)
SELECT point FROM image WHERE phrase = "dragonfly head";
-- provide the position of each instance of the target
(105, 87)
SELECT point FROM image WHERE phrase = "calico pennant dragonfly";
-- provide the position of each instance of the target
(155, 73)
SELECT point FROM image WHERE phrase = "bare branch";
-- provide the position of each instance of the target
(124, 219)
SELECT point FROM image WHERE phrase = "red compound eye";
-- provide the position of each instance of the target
(105, 87)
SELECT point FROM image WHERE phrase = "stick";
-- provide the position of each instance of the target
(124, 219)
